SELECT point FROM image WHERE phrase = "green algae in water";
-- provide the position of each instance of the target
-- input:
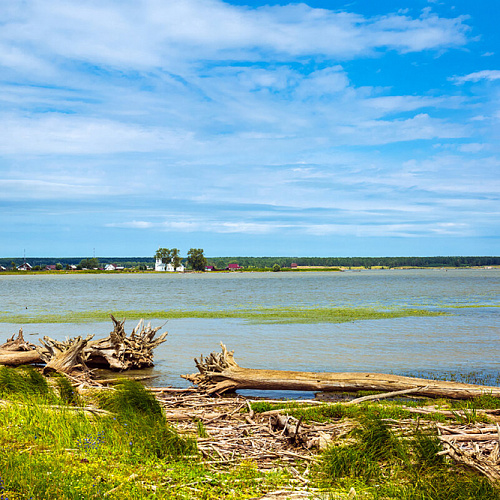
(260, 315)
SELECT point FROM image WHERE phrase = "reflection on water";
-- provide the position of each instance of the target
(468, 340)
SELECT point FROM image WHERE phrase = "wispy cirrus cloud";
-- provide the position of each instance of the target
(490, 75)
(202, 118)
(152, 33)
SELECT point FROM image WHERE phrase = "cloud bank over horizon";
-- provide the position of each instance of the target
(262, 128)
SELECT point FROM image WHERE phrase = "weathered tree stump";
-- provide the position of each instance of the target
(120, 352)
(220, 372)
(64, 357)
(17, 344)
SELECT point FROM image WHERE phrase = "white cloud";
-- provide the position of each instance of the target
(68, 134)
(203, 224)
(488, 74)
(29, 189)
(154, 33)
(472, 147)
(421, 126)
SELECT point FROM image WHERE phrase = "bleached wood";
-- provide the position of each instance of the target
(219, 372)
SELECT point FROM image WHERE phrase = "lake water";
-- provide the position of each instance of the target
(465, 341)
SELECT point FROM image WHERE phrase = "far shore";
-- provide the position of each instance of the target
(298, 269)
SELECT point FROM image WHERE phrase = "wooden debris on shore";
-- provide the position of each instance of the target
(17, 344)
(476, 446)
(17, 351)
(64, 357)
(227, 433)
(219, 373)
(116, 352)
(119, 352)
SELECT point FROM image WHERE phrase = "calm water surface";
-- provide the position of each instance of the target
(467, 340)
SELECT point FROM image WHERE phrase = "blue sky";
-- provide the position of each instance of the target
(321, 128)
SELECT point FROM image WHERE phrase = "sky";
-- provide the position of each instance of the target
(252, 128)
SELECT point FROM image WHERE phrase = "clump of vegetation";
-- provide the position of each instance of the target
(386, 466)
(66, 391)
(138, 411)
(23, 381)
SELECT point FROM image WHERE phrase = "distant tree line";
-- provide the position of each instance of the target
(197, 260)
(269, 262)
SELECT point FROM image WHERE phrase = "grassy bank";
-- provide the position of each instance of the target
(259, 315)
(53, 447)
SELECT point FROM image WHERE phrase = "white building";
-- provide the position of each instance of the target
(162, 267)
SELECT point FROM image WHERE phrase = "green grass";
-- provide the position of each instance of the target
(132, 454)
(135, 454)
(381, 465)
(329, 412)
(258, 315)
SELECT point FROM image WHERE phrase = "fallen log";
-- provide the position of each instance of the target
(219, 372)
(17, 352)
(18, 358)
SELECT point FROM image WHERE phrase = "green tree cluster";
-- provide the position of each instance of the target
(196, 259)
(169, 256)
(91, 263)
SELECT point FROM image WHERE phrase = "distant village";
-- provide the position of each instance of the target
(170, 261)
(159, 266)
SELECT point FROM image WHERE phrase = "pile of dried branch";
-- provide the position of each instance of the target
(228, 434)
(476, 446)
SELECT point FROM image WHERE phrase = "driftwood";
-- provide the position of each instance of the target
(477, 447)
(120, 352)
(117, 351)
(66, 356)
(16, 351)
(219, 372)
(17, 344)
(18, 358)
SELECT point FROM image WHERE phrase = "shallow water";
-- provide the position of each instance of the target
(467, 340)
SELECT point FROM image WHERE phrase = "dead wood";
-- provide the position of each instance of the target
(16, 351)
(18, 358)
(219, 372)
(119, 352)
(17, 344)
(64, 357)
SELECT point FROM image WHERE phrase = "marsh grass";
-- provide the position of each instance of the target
(23, 381)
(257, 315)
(330, 412)
(66, 391)
(382, 465)
(135, 454)
(144, 424)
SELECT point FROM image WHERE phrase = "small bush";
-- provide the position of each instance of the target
(131, 399)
